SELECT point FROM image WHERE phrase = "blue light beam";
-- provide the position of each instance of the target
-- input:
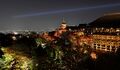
(66, 10)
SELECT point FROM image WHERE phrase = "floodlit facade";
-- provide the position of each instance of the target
(106, 33)
(103, 34)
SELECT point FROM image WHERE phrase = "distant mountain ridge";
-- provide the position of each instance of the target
(109, 20)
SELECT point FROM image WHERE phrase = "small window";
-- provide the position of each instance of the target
(98, 44)
(113, 48)
(108, 47)
(94, 47)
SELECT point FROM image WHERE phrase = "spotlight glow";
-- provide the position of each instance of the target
(66, 10)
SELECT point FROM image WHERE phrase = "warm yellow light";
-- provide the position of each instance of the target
(93, 55)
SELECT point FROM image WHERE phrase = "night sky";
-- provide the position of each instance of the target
(45, 15)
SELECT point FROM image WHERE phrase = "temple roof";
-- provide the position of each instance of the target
(63, 21)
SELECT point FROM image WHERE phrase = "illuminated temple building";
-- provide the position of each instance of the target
(61, 29)
(106, 33)
(103, 34)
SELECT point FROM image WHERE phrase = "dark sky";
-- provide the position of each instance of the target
(47, 15)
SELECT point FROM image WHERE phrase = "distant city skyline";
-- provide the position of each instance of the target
(46, 15)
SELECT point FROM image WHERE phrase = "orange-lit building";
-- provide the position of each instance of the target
(62, 28)
(106, 33)
(102, 34)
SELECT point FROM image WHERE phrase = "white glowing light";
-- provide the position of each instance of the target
(15, 33)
